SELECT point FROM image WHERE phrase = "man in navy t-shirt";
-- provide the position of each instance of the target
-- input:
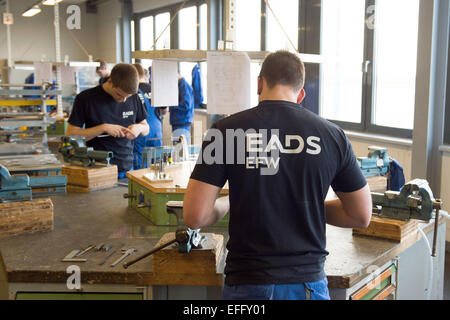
(279, 160)
(110, 116)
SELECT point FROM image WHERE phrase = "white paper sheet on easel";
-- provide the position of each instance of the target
(228, 82)
(164, 83)
(42, 72)
(67, 75)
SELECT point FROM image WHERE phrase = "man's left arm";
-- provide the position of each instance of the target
(201, 207)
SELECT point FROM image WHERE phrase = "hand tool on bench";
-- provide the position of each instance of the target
(109, 255)
(127, 253)
(71, 257)
(89, 248)
(186, 238)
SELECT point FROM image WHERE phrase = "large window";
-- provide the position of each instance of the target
(343, 52)
(248, 25)
(395, 59)
(162, 31)
(187, 39)
(369, 70)
(366, 80)
(285, 13)
(147, 38)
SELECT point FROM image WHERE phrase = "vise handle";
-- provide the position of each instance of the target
(181, 237)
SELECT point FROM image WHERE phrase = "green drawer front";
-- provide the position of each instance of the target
(77, 296)
(157, 212)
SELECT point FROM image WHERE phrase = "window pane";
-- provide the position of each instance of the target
(396, 34)
(133, 45)
(187, 38)
(203, 27)
(186, 70)
(146, 31)
(161, 22)
(286, 12)
(343, 53)
(248, 25)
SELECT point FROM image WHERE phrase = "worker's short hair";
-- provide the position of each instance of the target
(125, 77)
(285, 68)
(140, 69)
(102, 64)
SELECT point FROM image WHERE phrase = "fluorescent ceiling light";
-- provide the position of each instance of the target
(50, 2)
(34, 10)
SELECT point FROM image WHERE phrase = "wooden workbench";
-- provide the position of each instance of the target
(104, 217)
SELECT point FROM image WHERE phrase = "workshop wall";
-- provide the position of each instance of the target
(108, 15)
(33, 37)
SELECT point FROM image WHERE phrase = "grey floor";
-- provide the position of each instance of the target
(447, 274)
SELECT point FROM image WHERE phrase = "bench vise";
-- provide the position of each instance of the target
(75, 151)
(186, 238)
(20, 187)
(414, 201)
(196, 240)
(376, 163)
(14, 188)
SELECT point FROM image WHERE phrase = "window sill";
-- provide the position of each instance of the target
(380, 138)
(445, 148)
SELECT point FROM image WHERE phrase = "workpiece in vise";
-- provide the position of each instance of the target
(75, 151)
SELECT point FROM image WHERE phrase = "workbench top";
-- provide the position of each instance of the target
(104, 217)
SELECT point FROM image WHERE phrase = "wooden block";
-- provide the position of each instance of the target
(80, 179)
(377, 184)
(388, 228)
(26, 217)
(204, 261)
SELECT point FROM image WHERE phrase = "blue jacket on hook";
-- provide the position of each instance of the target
(183, 114)
(197, 86)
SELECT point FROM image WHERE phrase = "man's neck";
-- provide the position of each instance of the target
(277, 97)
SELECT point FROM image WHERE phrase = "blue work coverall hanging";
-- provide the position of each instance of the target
(154, 137)
(197, 86)
(182, 116)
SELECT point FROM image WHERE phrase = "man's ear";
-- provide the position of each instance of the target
(301, 96)
(260, 85)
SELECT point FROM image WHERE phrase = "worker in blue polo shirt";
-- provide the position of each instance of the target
(182, 116)
(154, 118)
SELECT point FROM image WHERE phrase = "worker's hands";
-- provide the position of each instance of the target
(134, 131)
(116, 131)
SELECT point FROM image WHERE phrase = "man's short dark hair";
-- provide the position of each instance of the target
(140, 69)
(102, 64)
(125, 77)
(285, 68)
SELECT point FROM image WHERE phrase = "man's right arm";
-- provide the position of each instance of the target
(351, 209)
(113, 130)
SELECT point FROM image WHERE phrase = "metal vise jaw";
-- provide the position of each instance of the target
(414, 201)
(376, 164)
(14, 188)
(75, 151)
(196, 240)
